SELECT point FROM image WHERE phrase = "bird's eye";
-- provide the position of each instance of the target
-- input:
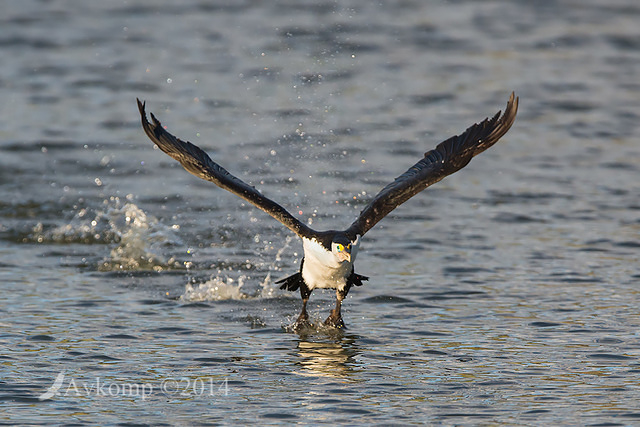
(339, 247)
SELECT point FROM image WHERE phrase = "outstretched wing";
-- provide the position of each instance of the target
(448, 157)
(197, 162)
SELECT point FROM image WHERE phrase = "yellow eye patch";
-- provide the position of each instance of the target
(339, 247)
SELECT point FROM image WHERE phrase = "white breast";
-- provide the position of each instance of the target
(321, 269)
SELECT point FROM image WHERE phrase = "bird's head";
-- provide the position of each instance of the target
(341, 247)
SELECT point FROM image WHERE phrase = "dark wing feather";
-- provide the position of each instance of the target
(197, 162)
(448, 157)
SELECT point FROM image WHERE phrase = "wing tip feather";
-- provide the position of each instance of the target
(141, 106)
(457, 150)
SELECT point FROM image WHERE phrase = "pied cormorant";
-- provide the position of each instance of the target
(329, 255)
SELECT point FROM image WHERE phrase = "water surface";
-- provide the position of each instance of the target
(505, 294)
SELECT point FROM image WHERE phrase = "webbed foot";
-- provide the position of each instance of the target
(302, 322)
(335, 321)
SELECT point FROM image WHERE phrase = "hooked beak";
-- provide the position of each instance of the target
(344, 256)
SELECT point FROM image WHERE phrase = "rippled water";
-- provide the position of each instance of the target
(507, 293)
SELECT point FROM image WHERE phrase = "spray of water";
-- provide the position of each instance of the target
(223, 287)
(139, 238)
(138, 241)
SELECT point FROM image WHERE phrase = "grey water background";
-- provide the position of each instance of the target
(506, 294)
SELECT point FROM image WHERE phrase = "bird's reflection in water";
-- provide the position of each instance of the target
(327, 353)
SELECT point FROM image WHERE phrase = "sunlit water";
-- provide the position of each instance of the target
(133, 292)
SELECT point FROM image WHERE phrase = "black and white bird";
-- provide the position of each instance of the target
(329, 255)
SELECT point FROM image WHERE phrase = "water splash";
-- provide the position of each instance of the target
(215, 289)
(139, 237)
(223, 287)
(316, 328)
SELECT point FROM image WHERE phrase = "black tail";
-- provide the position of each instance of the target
(356, 279)
(291, 283)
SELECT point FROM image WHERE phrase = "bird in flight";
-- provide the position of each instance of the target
(329, 255)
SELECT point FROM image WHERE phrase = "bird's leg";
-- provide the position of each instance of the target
(335, 318)
(303, 319)
(304, 316)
